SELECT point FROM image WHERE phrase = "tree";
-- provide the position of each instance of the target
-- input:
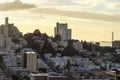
(93, 55)
(17, 50)
(97, 44)
(69, 50)
(37, 32)
(47, 48)
(57, 37)
(14, 77)
(87, 45)
(28, 37)
(43, 70)
(25, 78)
(44, 36)
(84, 44)
(15, 41)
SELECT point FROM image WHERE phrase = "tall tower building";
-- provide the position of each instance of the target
(6, 20)
(62, 30)
(30, 61)
(69, 34)
(5, 32)
(9, 30)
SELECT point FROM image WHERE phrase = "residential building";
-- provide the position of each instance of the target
(8, 42)
(62, 30)
(5, 42)
(9, 30)
(77, 45)
(54, 45)
(42, 65)
(2, 41)
(30, 61)
(19, 71)
(43, 76)
(117, 51)
(63, 43)
(116, 44)
(59, 78)
(40, 76)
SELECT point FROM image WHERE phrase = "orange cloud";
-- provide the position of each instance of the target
(78, 14)
(117, 5)
(16, 5)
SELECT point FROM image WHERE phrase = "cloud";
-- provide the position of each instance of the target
(54, 2)
(112, 1)
(60, 2)
(79, 14)
(117, 5)
(16, 5)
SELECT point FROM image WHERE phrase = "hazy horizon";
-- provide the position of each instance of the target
(91, 20)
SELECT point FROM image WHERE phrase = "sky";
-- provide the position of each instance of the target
(90, 20)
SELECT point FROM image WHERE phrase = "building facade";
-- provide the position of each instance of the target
(9, 30)
(62, 30)
(29, 61)
(116, 44)
(5, 42)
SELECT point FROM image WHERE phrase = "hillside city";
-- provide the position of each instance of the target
(37, 56)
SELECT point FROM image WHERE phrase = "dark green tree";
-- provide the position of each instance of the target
(45, 36)
(37, 32)
(25, 78)
(57, 37)
(47, 48)
(14, 77)
(69, 50)
(28, 37)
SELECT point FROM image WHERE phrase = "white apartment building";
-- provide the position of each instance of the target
(30, 61)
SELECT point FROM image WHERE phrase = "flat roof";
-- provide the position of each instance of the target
(39, 74)
(59, 76)
(30, 52)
